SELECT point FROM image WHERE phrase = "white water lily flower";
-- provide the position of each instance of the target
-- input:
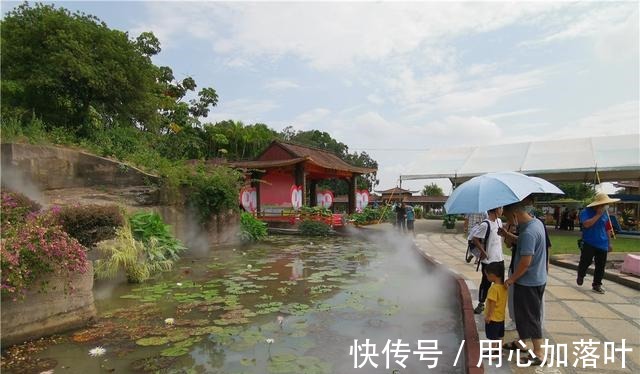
(269, 341)
(179, 284)
(47, 372)
(249, 266)
(169, 321)
(97, 351)
(280, 320)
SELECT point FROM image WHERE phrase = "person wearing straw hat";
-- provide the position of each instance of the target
(595, 240)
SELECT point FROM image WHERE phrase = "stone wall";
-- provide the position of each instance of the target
(55, 168)
(50, 312)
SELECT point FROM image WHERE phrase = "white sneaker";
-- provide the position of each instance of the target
(510, 326)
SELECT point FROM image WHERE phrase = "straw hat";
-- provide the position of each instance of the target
(601, 199)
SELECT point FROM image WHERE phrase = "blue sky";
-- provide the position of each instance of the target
(389, 78)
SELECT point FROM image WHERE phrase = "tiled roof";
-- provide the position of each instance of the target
(320, 157)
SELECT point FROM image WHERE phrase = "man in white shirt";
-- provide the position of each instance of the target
(491, 251)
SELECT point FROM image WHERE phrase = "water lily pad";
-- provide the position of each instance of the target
(180, 348)
(207, 330)
(248, 362)
(153, 340)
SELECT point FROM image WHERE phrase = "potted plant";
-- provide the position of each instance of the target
(449, 221)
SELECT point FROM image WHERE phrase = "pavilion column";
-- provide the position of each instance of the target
(313, 197)
(257, 177)
(301, 180)
(351, 196)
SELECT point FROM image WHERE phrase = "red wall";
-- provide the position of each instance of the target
(277, 189)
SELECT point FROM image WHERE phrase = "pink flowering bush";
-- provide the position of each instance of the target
(15, 209)
(35, 248)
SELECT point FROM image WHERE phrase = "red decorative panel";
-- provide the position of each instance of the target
(277, 189)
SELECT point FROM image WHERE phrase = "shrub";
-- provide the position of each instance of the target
(91, 223)
(251, 228)
(449, 221)
(214, 190)
(148, 226)
(138, 260)
(15, 209)
(314, 228)
(39, 247)
(370, 215)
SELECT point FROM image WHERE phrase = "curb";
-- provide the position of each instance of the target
(470, 331)
(620, 279)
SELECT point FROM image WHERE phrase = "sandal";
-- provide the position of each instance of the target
(534, 361)
(513, 346)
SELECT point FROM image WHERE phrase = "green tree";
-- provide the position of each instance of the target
(577, 190)
(71, 70)
(432, 190)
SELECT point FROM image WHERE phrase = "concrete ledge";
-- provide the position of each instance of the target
(470, 331)
(47, 313)
(569, 262)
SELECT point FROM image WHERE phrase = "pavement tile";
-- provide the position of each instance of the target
(622, 290)
(566, 327)
(610, 297)
(630, 310)
(567, 293)
(616, 330)
(590, 309)
(556, 311)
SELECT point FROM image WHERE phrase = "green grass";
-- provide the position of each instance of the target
(563, 243)
(568, 244)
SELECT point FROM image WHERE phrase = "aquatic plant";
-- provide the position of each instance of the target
(251, 228)
(139, 261)
(148, 226)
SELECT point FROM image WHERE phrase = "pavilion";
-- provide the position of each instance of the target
(285, 166)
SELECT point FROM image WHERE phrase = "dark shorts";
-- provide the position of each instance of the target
(410, 224)
(494, 330)
(527, 308)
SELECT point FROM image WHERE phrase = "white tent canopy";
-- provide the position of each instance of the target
(615, 158)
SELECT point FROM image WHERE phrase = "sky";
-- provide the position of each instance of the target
(393, 78)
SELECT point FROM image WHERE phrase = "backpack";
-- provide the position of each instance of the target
(472, 250)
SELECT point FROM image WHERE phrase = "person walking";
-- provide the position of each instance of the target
(401, 215)
(529, 280)
(595, 240)
(491, 251)
(411, 217)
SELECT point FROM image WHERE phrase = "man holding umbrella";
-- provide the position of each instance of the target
(595, 240)
(529, 279)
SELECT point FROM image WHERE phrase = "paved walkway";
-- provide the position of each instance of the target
(572, 313)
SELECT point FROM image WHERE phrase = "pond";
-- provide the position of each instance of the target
(285, 305)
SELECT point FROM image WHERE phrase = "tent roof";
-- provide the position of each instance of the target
(615, 157)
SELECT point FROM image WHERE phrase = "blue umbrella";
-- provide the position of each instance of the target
(493, 190)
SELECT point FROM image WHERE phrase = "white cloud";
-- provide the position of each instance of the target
(375, 99)
(310, 118)
(330, 35)
(274, 85)
(617, 119)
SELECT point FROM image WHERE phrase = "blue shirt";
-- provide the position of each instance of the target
(410, 214)
(531, 242)
(596, 235)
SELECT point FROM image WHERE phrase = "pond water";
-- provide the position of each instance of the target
(285, 305)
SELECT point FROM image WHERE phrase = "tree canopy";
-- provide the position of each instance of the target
(72, 71)
(432, 190)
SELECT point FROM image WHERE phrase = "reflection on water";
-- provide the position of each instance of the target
(282, 306)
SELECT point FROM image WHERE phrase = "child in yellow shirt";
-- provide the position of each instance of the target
(496, 302)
